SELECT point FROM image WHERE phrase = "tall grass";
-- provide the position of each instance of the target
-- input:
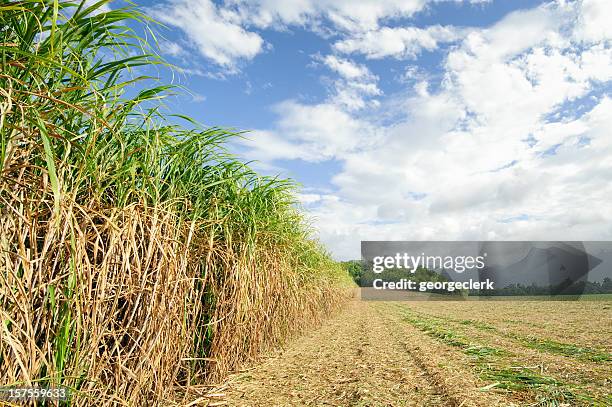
(136, 255)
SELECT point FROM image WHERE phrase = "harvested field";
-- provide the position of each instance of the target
(438, 354)
(585, 323)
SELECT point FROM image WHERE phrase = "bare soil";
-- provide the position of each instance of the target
(455, 354)
(364, 356)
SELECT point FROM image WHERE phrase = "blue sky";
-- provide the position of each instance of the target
(411, 119)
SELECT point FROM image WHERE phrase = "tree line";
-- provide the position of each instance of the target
(362, 276)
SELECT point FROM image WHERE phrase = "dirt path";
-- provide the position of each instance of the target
(364, 356)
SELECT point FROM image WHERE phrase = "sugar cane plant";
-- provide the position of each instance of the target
(137, 256)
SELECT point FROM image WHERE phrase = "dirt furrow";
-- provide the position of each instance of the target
(592, 377)
(449, 370)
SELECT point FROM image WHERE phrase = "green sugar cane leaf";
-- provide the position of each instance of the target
(54, 24)
(39, 59)
(50, 159)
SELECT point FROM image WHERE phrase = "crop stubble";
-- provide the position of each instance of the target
(437, 353)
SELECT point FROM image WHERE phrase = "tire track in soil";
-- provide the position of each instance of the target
(354, 359)
(450, 371)
(592, 376)
(446, 397)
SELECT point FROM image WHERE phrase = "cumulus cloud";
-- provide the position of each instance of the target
(326, 130)
(401, 42)
(511, 140)
(515, 144)
(226, 32)
(347, 69)
(344, 14)
(211, 31)
(594, 21)
(314, 133)
(356, 86)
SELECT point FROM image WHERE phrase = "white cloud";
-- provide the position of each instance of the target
(455, 163)
(104, 8)
(172, 48)
(347, 69)
(307, 199)
(399, 42)
(322, 131)
(356, 87)
(594, 21)
(265, 146)
(497, 150)
(519, 31)
(312, 133)
(324, 125)
(344, 14)
(226, 33)
(211, 32)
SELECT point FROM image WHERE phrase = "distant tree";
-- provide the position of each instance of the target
(354, 268)
(606, 286)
